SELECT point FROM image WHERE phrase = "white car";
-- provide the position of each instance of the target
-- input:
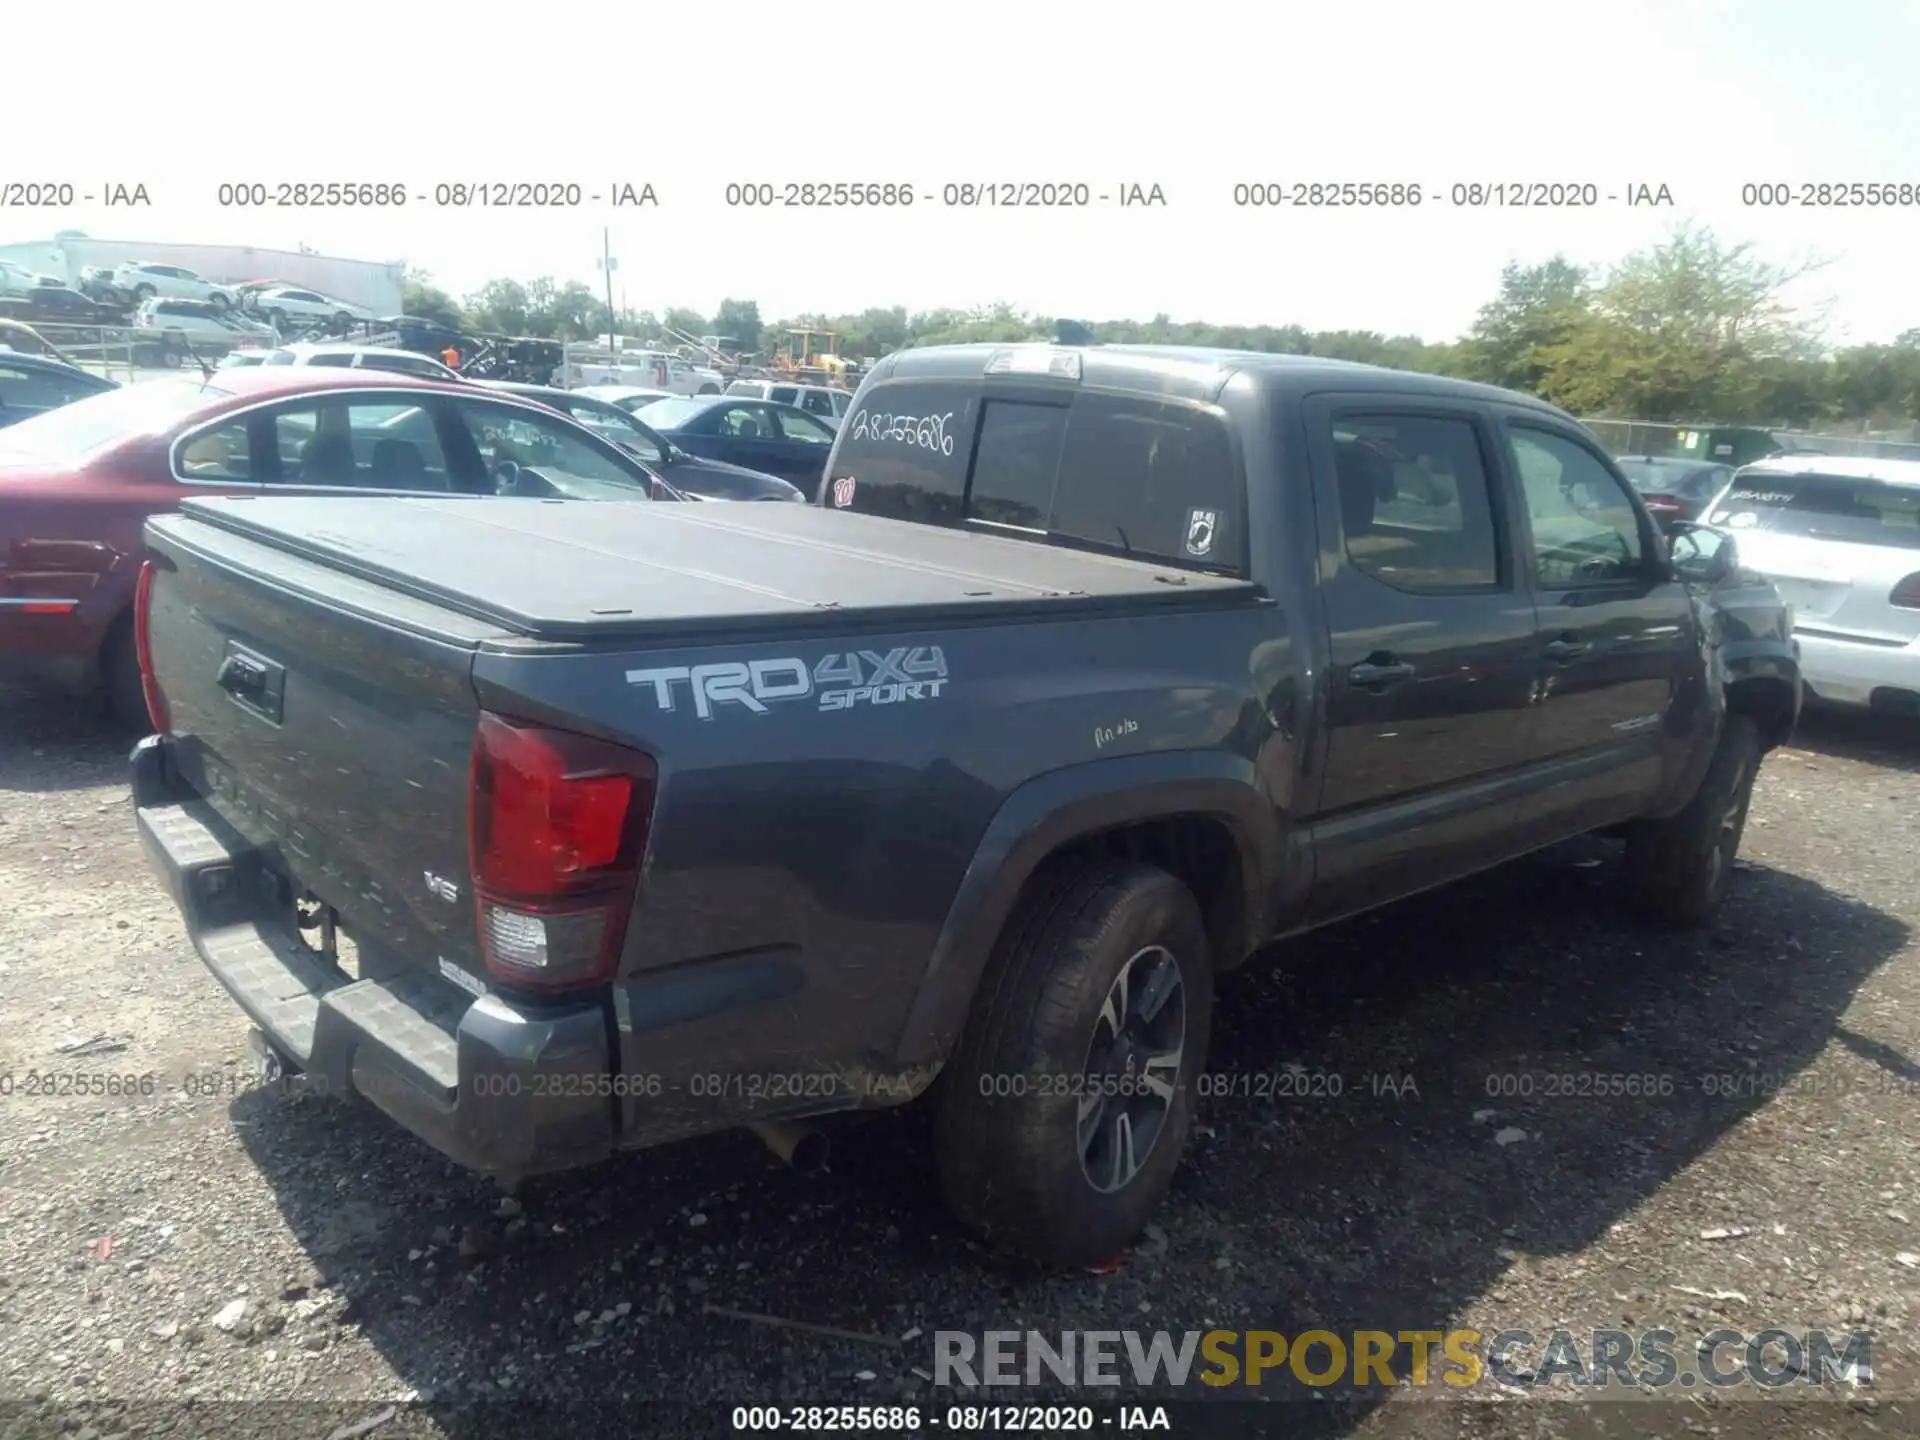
(207, 328)
(144, 281)
(644, 368)
(823, 402)
(14, 280)
(1839, 537)
(627, 397)
(361, 357)
(283, 303)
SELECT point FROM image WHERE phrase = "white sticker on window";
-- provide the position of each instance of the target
(1202, 526)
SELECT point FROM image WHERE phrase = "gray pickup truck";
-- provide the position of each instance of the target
(558, 829)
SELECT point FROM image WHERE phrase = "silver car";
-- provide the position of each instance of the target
(1839, 536)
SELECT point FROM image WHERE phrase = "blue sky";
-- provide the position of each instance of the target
(1702, 96)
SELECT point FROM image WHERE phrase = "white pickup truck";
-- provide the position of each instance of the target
(654, 369)
(824, 403)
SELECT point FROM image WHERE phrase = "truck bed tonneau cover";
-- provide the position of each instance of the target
(572, 569)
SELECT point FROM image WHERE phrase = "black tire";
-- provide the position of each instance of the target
(1678, 867)
(1008, 1111)
(277, 318)
(120, 679)
(219, 301)
(170, 358)
(142, 293)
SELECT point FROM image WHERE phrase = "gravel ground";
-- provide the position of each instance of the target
(164, 1256)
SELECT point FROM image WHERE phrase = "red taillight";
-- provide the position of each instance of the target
(557, 829)
(1662, 502)
(1906, 594)
(143, 648)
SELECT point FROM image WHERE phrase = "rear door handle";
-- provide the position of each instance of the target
(1561, 651)
(1381, 672)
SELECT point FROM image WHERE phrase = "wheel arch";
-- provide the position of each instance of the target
(1197, 814)
(1768, 690)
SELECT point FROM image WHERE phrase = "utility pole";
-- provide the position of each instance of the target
(607, 265)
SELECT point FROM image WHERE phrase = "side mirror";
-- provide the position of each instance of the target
(1701, 555)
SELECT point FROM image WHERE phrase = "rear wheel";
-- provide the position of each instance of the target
(143, 292)
(1063, 1111)
(126, 695)
(1678, 867)
(219, 301)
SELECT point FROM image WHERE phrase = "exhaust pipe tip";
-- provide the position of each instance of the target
(803, 1148)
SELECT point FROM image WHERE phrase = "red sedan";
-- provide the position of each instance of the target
(78, 483)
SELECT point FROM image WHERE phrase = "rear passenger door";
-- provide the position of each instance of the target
(748, 434)
(1432, 643)
(1616, 631)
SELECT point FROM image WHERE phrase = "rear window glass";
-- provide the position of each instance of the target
(1016, 463)
(1823, 507)
(1148, 478)
(906, 448)
(1126, 473)
(1652, 477)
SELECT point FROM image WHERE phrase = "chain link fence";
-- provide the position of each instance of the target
(1640, 437)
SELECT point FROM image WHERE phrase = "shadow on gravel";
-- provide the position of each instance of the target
(1889, 741)
(1375, 1197)
(50, 743)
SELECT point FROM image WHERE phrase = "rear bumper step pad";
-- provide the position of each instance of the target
(505, 1088)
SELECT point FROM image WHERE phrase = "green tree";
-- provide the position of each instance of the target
(501, 307)
(421, 297)
(1686, 329)
(739, 321)
(1539, 309)
(687, 322)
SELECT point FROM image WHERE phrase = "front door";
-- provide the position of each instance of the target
(1431, 637)
(1616, 631)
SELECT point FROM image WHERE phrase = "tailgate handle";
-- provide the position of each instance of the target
(241, 674)
(256, 683)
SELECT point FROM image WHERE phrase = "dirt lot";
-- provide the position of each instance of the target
(166, 1255)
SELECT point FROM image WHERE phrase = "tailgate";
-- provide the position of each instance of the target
(330, 722)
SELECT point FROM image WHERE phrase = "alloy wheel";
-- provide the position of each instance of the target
(1132, 1071)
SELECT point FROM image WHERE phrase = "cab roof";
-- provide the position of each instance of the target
(1192, 372)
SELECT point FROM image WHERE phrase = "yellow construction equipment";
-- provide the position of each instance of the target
(802, 353)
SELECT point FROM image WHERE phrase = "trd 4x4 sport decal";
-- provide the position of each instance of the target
(840, 681)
